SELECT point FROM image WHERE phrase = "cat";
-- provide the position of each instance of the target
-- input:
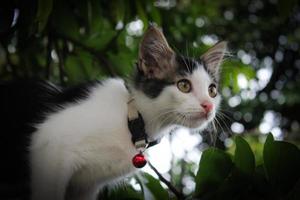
(78, 138)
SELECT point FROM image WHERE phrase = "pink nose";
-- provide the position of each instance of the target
(207, 106)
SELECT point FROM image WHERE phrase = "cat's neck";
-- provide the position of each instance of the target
(154, 125)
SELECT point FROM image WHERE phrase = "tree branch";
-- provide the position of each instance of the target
(177, 193)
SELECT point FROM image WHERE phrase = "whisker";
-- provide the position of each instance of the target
(226, 126)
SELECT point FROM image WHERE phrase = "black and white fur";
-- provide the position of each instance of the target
(77, 139)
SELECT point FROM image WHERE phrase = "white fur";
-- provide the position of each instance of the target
(88, 144)
(92, 134)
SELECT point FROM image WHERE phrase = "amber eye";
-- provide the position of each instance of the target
(184, 85)
(212, 90)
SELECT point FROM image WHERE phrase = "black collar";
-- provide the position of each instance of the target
(136, 126)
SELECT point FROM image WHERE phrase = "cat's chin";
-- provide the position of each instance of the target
(199, 122)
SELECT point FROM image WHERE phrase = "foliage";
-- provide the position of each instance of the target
(277, 178)
(225, 176)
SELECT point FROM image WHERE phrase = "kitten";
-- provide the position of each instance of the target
(80, 138)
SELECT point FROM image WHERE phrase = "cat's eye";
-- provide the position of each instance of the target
(184, 85)
(212, 90)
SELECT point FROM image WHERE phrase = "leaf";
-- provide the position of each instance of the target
(155, 15)
(238, 180)
(141, 13)
(101, 33)
(282, 164)
(123, 193)
(153, 185)
(123, 61)
(259, 180)
(215, 165)
(43, 12)
(244, 157)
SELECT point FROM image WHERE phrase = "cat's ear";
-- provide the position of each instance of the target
(213, 58)
(156, 58)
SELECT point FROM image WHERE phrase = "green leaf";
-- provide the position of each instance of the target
(101, 33)
(141, 13)
(259, 180)
(153, 185)
(43, 12)
(282, 164)
(244, 157)
(215, 165)
(123, 193)
(269, 140)
(155, 15)
(123, 61)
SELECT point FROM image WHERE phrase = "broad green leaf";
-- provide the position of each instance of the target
(243, 157)
(141, 13)
(123, 193)
(123, 61)
(82, 67)
(153, 185)
(74, 70)
(43, 12)
(259, 179)
(282, 164)
(215, 166)
(155, 15)
(101, 33)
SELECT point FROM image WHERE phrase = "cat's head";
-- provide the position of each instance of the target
(173, 89)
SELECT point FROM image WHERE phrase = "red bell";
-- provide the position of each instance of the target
(139, 160)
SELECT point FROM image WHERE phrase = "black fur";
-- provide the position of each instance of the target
(186, 65)
(23, 104)
(150, 86)
(153, 87)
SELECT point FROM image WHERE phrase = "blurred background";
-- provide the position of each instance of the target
(69, 41)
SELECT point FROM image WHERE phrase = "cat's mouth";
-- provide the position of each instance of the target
(194, 119)
(197, 119)
(200, 116)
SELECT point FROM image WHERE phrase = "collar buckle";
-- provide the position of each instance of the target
(136, 127)
(141, 145)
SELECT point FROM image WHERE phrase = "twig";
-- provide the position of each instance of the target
(177, 193)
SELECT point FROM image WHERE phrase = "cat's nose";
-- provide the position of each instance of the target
(207, 106)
